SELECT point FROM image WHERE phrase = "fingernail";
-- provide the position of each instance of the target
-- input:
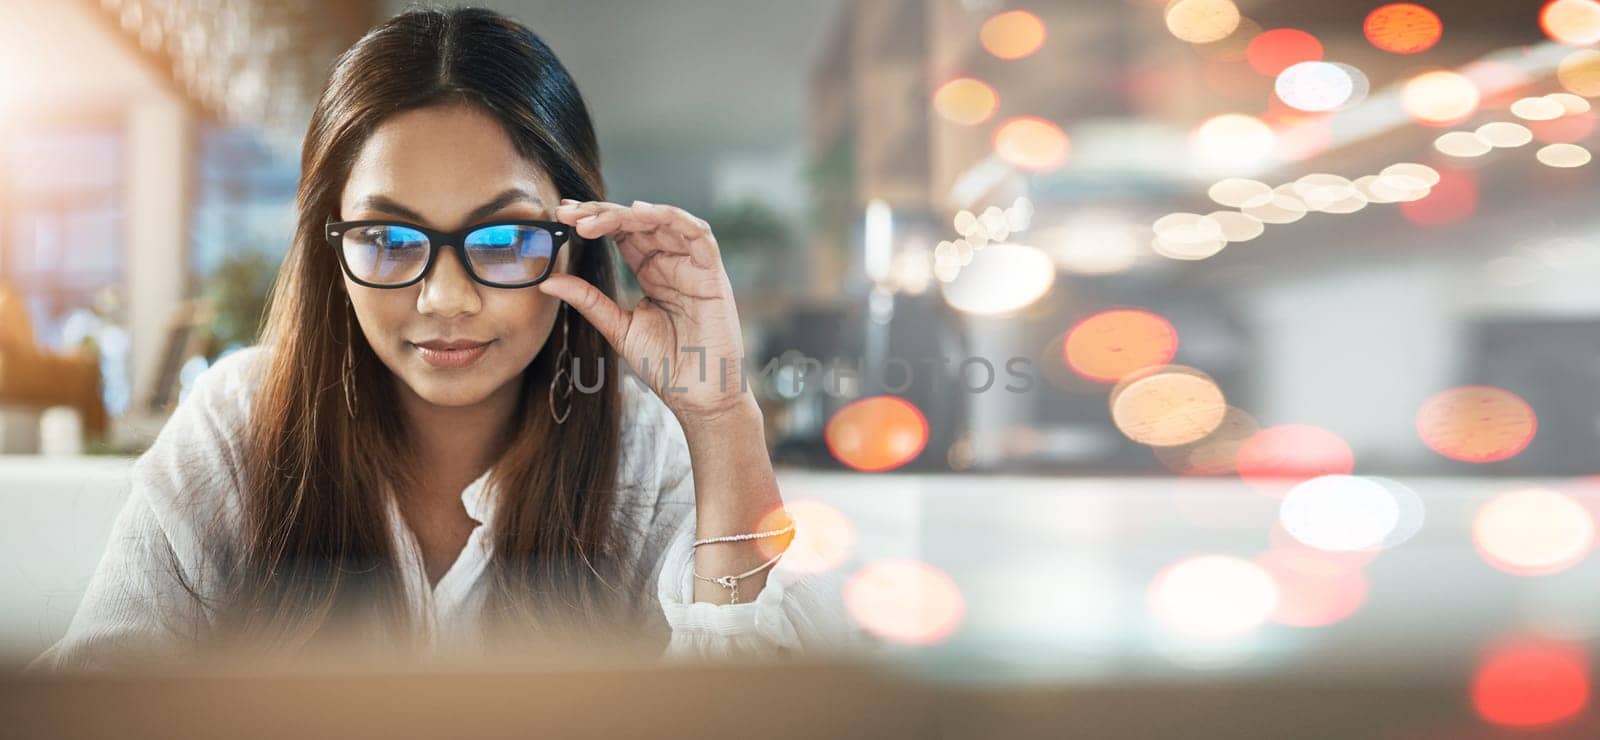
(641, 203)
(584, 220)
(565, 201)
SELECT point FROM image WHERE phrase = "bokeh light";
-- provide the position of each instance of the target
(1538, 108)
(1232, 48)
(1166, 406)
(1281, 209)
(1504, 134)
(1213, 596)
(1439, 97)
(1202, 21)
(1530, 683)
(1271, 52)
(1403, 28)
(1232, 141)
(965, 101)
(877, 433)
(1339, 513)
(1571, 22)
(1238, 192)
(1277, 457)
(824, 538)
(1214, 454)
(1001, 279)
(1462, 144)
(1311, 596)
(1533, 531)
(1236, 226)
(1314, 86)
(904, 601)
(1579, 72)
(1109, 345)
(1477, 423)
(1031, 143)
(1451, 200)
(1013, 34)
(1563, 155)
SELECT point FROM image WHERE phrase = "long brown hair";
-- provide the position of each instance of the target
(316, 545)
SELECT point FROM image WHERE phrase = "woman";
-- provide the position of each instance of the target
(404, 458)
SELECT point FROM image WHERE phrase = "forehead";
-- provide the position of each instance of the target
(441, 162)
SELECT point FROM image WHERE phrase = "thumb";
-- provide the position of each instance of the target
(600, 310)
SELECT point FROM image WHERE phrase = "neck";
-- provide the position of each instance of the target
(455, 444)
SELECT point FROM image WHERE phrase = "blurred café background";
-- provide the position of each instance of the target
(1097, 339)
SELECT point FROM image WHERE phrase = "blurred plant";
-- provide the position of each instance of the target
(238, 292)
(749, 228)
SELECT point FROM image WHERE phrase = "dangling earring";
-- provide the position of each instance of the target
(348, 378)
(563, 359)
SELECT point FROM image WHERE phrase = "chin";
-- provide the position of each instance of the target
(463, 392)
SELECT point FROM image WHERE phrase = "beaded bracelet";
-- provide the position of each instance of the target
(743, 537)
(732, 582)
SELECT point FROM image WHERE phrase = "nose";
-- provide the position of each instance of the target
(447, 289)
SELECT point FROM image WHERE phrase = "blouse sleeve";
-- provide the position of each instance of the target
(145, 602)
(795, 612)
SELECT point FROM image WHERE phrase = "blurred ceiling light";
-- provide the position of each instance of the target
(877, 433)
(879, 240)
(1413, 513)
(1410, 174)
(1463, 144)
(912, 271)
(1403, 28)
(1540, 108)
(905, 601)
(1339, 513)
(1281, 209)
(1001, 279)
(1212, 596)
(824, 538)
(1232, 141)
(1012, 35)
(1273, 51)
(1360, 86)
(966, 101)
(1277, 457)
(1093, 243)
(1563, 155)
(1167, 406)
(1504, 134)
(1019, 215)
(1238, 227)
(1533, 531)
(1202, 21)
(1319, 190)
(1570, 104)
(1571, 22)
(966, 223)
(1314, 86)
(1238, 192)
(1579, 72)
(1109, 345)
(1531, 683)
(1439, 97)
(1476, 423)
(1031, 143)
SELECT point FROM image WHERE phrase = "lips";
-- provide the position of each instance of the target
(451, 353)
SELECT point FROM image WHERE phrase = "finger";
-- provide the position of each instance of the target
(571, 210)
(688, 233)
(606, 316)
(612, 219)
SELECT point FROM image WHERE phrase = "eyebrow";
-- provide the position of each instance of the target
(388, 205)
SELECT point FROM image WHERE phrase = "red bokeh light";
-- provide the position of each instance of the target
(1569, 129)
(1276, 458)
(1452, 200)
(1531, 683)
(1273, 51)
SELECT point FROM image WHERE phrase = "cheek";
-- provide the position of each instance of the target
(524, 321)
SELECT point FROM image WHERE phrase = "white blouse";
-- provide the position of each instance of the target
(135, 606)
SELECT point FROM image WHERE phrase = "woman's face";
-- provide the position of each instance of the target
(448, 167)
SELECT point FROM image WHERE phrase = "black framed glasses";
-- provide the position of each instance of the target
(396, 254)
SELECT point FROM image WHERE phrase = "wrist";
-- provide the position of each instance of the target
(739, 417)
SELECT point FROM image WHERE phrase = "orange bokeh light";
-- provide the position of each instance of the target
(1012, 35)
(877, 433)
(1531, 683)
(1477, 423)
(1276, 458)
(823, 536)
(1571, 22)
(1109, 345)
(904, 601)
(1031, 143)
(1533, 532)
(1271, 52)
(1451, 200)
(1403, 28)
(966, 101)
